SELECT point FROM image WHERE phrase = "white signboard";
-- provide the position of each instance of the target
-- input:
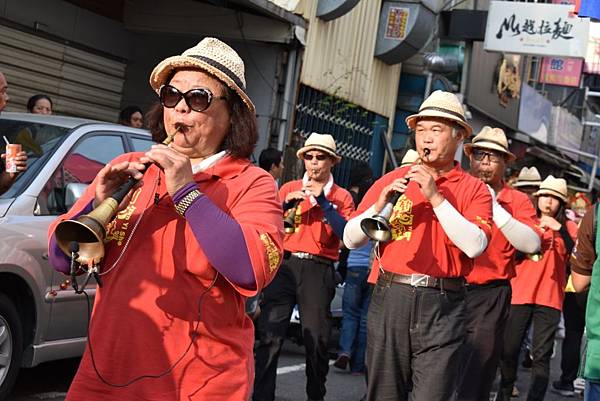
(535, 28)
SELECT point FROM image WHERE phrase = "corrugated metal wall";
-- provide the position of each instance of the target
(339, 60)
(79, 83)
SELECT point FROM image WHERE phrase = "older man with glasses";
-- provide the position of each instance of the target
(317, 209)
(488, 290)
(416, 322)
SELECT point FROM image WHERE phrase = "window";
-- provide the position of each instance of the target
(80, 166)
(141, 144)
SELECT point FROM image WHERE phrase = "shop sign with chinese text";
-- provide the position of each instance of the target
(562, 71)
(535, 28)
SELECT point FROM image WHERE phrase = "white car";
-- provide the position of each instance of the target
(41, 318)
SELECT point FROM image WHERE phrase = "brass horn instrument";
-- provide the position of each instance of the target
(89, 230)
(290, 218)
(378, 227)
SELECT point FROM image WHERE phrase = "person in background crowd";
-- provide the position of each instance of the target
(488, 292)
(270, 160)
(574, 307)
(169, 284)
(39, 104)
(357, 291)
(528, 182)
(132, 116)
(585, 273)
(307, 277)
(416, 323)
(538, 292)
(7, 179)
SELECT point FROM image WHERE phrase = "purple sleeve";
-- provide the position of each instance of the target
(58, 260)
(210, 225)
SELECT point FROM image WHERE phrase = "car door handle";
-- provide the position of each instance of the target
(45, 255)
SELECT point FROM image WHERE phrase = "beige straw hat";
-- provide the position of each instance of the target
(528, 177)
(554, 186)
(322, 142)
(410, 157)
(212, 56)
(441, 105)
(490, 138)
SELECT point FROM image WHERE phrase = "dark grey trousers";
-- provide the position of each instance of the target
(414, 337)
(488, 307)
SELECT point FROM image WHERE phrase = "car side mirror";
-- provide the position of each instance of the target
(73, 191)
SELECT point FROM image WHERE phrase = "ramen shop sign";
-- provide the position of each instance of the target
(535, 28)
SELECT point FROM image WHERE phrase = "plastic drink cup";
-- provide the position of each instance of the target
(12, 150)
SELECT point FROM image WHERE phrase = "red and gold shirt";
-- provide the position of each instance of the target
(497, 262)
(419, 243)
(542, 282)
(157, 309)
(311, 234)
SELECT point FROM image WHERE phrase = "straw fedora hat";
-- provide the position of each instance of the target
(554, 186)
(441, 104)
(322, 142)
(490, 138)
(410, 157)
(528, 177)
(212, 56)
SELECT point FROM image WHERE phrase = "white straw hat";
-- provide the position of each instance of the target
(441, 104)
(322, 142)
(410, 157)
(490, 138)
(212, 56)
(528, 177)
(554, 186)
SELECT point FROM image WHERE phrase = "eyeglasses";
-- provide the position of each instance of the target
(197, 99)
(318, 157)
(479, 155)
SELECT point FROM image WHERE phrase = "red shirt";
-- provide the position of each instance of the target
(419, 243)
(311, 234)
(543, 282)
(497, 262)
(152, 300)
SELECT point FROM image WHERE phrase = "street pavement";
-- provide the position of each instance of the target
(50, 381)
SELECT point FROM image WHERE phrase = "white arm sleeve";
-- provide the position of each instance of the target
(520, 235)
(465, 235)
(354, 237)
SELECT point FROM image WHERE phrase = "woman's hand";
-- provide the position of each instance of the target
(419, 174)
(313, 187)
(398, 185)
(112, 176)
(550, 222)
(177, 167)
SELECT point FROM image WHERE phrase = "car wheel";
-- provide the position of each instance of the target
(11, 345)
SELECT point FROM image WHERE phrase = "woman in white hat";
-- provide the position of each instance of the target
(538, 292)
(201, 232)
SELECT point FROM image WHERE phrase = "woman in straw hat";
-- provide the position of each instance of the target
(538, 292)
(169, 321)
(439, 223)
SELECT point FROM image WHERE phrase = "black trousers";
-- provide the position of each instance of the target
(311, 285)
(574, 315)
(488, 307)
(545, 322)
(414, 337)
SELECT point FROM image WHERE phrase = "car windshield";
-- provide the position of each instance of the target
(38, 140)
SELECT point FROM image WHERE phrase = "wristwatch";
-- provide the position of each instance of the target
(187, 201)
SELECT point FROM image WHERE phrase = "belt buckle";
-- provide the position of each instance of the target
(419, 280)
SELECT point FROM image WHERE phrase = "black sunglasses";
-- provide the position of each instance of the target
(318, 157)
(479, 155)
(197, 99)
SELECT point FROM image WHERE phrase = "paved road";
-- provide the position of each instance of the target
(50, 381)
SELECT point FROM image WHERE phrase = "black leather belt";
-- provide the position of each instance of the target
(489, 284)
(423, 280)
(310, 256)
